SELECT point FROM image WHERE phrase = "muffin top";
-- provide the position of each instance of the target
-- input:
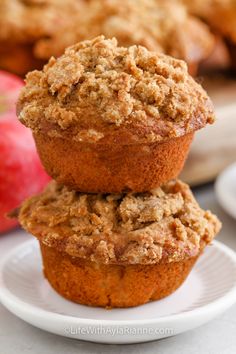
(28, 20)
(163, 26)
(220, 14)
(98, 91)
(137, 228)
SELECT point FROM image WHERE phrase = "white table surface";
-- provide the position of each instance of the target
(216, 337)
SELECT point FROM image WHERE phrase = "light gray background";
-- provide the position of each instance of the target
(216, 337)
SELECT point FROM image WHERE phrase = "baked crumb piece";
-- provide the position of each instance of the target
(135, 228)
(98, 86)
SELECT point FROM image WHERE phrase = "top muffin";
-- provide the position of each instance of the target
(98, 91)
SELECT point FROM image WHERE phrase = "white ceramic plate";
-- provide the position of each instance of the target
(225, 188)
(209, 290)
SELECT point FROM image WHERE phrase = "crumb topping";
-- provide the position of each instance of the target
(97, 85)
(135, 228)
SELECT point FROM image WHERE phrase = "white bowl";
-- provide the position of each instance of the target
(209, 290)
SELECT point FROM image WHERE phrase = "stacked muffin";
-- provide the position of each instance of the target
(113, 127)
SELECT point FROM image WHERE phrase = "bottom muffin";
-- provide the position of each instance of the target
(112, 285)
(118, 250)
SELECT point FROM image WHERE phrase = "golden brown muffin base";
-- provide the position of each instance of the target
(18, 58)
(110, 286)
(112, 168)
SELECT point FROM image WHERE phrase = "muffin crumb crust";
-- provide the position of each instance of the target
(135, 228)
(114, 91)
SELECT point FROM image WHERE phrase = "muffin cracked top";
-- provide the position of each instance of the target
(100, 92)
(137, 228)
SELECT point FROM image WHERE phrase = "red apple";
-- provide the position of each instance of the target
(10, 86)
(21, 172)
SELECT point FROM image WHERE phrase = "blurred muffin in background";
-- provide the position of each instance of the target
(219, 60)
(163, 26)
(221, 16)
(23, 23)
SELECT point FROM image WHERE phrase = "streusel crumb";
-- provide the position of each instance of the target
(135, 228)
(98, 86)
